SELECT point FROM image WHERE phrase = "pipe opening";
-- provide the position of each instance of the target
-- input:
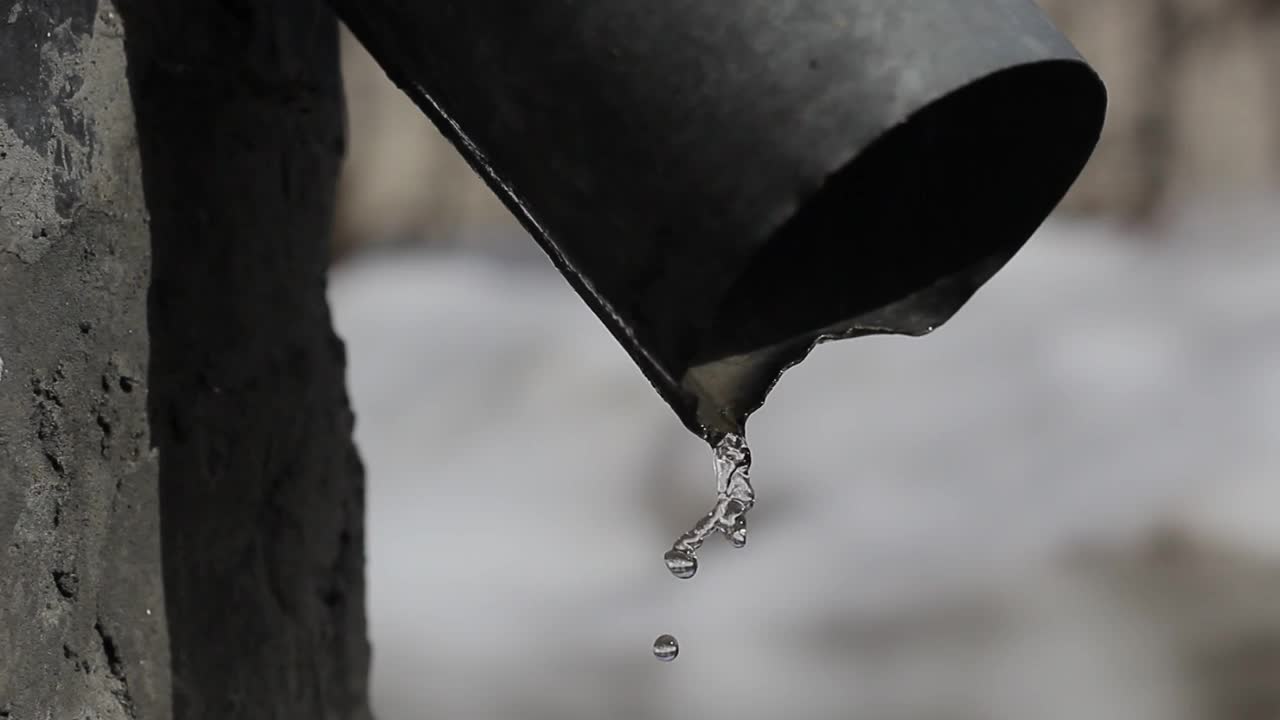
(955, 190)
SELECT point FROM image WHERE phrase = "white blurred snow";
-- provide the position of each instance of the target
(915, 495)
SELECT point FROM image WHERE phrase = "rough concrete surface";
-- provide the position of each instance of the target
(82, 629)
(167, 353)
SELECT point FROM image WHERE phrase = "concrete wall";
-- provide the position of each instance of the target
(181, 504)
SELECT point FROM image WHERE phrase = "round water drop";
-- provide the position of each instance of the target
(738, 535)
(665, 648)
(681, 564)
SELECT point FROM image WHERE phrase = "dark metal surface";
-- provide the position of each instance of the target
(725, 183)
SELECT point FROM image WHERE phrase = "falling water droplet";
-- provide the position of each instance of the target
(665, 648)
(681, 564)
(734, 499)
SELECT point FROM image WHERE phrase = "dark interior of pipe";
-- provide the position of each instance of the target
(969, 176)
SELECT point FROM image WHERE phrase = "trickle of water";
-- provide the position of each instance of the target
(665, 648)
(734, 498)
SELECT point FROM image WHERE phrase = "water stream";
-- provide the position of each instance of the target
(734, 499)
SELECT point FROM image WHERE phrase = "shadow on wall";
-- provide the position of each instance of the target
(239, 118)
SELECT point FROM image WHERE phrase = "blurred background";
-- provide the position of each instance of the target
(1065, 503)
